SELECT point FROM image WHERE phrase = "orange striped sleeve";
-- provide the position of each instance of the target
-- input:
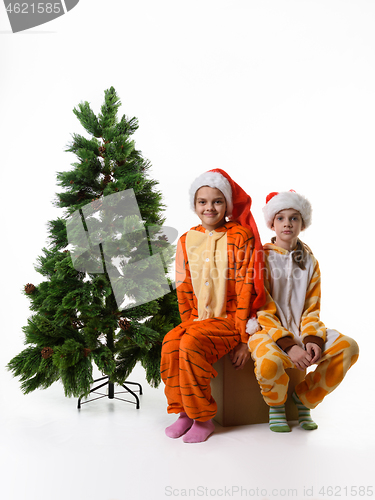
(243, 246)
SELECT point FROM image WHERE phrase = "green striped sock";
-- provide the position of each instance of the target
(304, 417)
(277, 419)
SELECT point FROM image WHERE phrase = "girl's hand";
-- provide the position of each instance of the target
(240, 355)
(300, 357)
(315, 352)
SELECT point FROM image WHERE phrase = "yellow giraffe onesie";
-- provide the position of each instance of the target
(291, 316)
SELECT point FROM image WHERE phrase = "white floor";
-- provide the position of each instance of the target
(109, 450)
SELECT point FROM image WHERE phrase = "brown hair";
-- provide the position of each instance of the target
(300, 253)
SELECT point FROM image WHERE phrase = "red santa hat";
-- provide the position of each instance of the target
(238, 210)
(213, 179)
(275, 202)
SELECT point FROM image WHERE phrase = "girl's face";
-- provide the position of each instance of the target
(287, 225)
(210, 206)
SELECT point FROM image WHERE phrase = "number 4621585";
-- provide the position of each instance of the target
(353, 491)
(34, 8)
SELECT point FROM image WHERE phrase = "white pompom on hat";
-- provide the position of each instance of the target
(275, 202)
(212, 180)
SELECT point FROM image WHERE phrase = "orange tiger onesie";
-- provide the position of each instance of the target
(215, 290)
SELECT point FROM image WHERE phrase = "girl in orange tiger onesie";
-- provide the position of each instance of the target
(292, 334)
(219, 286)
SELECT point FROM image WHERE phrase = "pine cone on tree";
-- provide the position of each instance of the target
(102, 150)
(86, 351)
(107, 179)
(120, 163)
(29, 288)
(46, 352)
(124, 324)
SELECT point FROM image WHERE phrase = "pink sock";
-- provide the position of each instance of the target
(199, 432)
(182, 424)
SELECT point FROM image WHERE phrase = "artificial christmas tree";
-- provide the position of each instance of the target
(106, 298)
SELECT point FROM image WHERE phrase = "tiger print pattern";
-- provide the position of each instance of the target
(188, 353)
(190, 349)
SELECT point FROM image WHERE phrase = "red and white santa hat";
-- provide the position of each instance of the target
(238, 210)
(238, 201)
(212, 179)
(275, 202)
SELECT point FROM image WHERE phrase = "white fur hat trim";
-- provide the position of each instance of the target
(252, 326)
(285, 200)
(213, 180)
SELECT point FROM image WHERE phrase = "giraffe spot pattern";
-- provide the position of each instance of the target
(283, 380)
(335, 370)
(271, 375)
(263, 349)
(268, 369)
(353, 359)
(315, 395)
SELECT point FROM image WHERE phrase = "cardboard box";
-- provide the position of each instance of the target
(238, 397)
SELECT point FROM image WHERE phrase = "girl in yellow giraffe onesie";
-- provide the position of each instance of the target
(292, 334)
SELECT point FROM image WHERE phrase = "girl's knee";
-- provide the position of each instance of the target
(190, 341)
(354, 347)
(171, 343)
(353, 351)
(174, 335)
(268, 369)
(168, 339)
(258, 340)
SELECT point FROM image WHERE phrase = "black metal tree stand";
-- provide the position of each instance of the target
(111, 386)
(111, 392)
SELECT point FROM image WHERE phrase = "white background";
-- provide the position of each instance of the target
(278, 93)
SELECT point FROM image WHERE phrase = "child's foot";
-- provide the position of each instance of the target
(182, 424)
(199, 432)
(277, 419)
(304, 417)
